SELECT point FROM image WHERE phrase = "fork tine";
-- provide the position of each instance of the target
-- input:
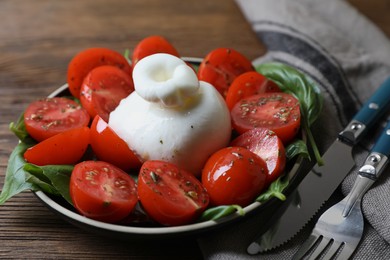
(333, 249)
(309, 243)
(321, 246)
(346, 252)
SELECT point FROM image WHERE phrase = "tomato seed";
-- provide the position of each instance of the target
(192, 194)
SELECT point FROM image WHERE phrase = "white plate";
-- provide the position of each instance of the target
(63, 209)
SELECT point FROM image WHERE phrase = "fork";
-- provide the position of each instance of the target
(338, 231)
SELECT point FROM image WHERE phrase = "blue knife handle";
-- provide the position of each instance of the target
(368, 115)
(382, 144)
(375, 105)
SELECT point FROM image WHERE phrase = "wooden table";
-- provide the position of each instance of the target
(37, 40)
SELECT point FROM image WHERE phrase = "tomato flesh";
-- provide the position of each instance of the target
(152, 45)
(83, 62)
(234, 175)
(248, 84)
(221, 66)
(266, 144)
(64, 148)
(50, 116)
(169, 195)
(102, 191)
(103, 88)
(278, 112)
(109, 147)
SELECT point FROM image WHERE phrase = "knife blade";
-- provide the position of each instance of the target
(321, 181)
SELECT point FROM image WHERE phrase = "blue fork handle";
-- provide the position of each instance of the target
(382, 144)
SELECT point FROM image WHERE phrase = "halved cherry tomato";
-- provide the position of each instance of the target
(64, 148)
(248, 84)
(169, 195)
(83, 62)
(50, 116)
(234, 175)
(109, 147)
(266, 144)
(103, 88)
(278, 112)
(101, 191)
(152, 45)
(221, 66)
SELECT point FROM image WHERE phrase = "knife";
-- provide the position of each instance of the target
(321, 181)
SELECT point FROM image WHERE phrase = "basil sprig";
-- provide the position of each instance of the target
(218, 212)
(19, 129)
(15, 177)
(304, 89)
(275, 189)
(21, 176)
(53, 179)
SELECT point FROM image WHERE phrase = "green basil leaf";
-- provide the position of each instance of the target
(221, 211)
(36, 171)
(15, 178)
(42, 185)
(57, 176)
(298, 147)
(274, 190)
(19, 129)
(304, 89)
(127, 55)
(298, 84)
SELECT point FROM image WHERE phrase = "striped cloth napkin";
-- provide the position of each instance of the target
(348, 57)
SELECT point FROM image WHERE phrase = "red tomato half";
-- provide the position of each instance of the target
(102, 191)
(50, 116)
(221, 66)
(278, 112)
(268, 146)
(103, 88)
(152, 45)
(248, 84)
(234, 175)
(109, 147)
(65, 148)
(169, 195)
(86, 60)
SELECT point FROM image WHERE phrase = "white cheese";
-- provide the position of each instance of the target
(184, 125)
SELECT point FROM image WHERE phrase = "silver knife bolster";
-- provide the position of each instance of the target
(352, 133)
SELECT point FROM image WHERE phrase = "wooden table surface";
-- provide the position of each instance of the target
(37, 40)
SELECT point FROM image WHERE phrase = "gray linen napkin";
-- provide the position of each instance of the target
(348, 57)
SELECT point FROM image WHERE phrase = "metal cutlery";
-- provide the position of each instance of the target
(322, 180)
(339, 229)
